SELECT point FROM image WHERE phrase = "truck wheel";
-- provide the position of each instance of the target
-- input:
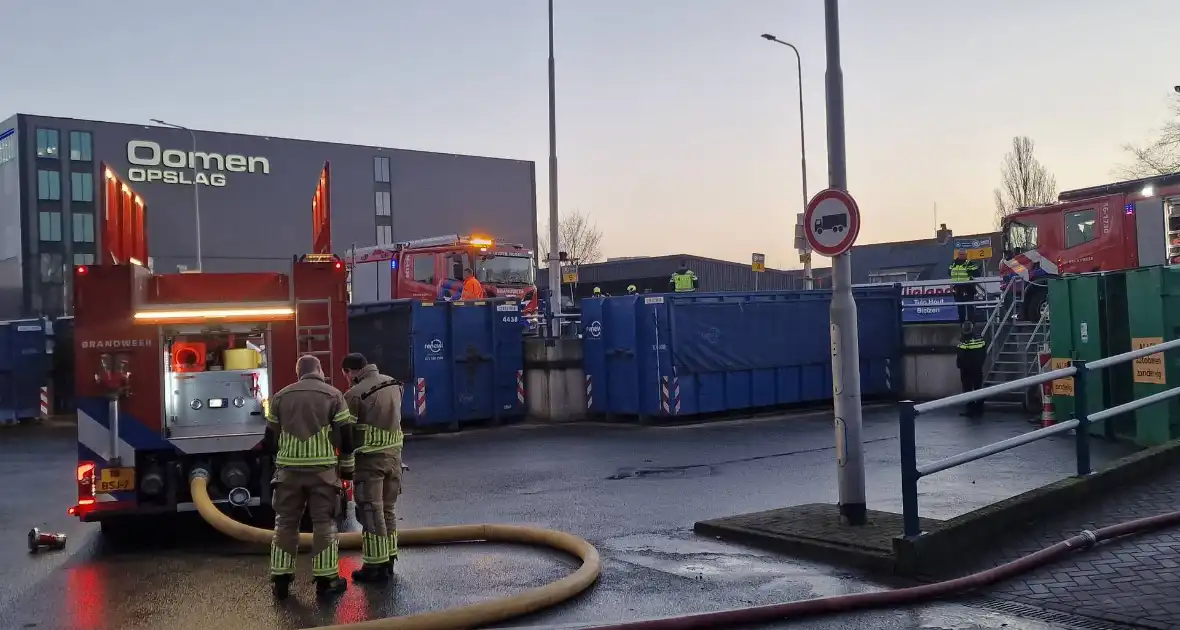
(1035, 305)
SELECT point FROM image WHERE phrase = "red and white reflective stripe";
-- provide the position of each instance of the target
(520, 386)
(670, 395)
(420, 397)
(44, 402)
(589, 391)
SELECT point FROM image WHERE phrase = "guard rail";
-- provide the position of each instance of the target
(912, 472)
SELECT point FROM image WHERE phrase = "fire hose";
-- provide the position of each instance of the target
(899, 597)
(462, 617)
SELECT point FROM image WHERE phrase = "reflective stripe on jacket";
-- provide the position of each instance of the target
(375, 401)
(683, 282)
(305, 413)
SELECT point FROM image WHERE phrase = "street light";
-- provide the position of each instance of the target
(802, 139)
(554, 301)
(196, 187)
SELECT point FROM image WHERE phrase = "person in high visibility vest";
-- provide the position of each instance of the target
(472, 287)
(598, 292)
(309, 429)
(963, 274)
(684, 280)
(972, 354)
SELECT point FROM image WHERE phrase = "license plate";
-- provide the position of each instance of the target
(116, 479)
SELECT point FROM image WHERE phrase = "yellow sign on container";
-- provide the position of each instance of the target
(1149, 369)
(1062, 386)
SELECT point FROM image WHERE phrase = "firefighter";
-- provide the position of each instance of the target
(307, 422)
(684, 280)
(598, 293)
(972, 354)
(374, 400)
(631, 290)
(963, 273)
(472, 287)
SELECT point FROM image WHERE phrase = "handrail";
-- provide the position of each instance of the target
(911, 472)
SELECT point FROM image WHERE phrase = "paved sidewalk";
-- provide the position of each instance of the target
(1133, 581)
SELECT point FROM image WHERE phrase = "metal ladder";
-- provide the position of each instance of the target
(315, 338)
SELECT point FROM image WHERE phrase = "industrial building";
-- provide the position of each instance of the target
(253, 195)
(875, 263)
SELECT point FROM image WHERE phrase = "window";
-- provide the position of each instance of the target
(83, 259)
(1079, 227)
(48, 185)
(381, 203)
(8, 148)
(51, 268)
(424, 268)
(384, 234)
(81, 187)
(47, 142)
(1019, 238)
(83, 227)
(80, 146)
(50, 225)
(381, 169)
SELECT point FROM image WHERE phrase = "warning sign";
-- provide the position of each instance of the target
(1062, 386)
(1149, 369)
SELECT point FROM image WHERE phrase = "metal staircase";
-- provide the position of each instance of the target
(1013, 345)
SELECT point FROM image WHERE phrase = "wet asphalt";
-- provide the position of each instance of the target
(634, 492)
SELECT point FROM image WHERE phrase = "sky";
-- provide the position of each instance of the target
(677, 126)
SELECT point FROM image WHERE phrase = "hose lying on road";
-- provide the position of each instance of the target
(899, 597)
(463, 617)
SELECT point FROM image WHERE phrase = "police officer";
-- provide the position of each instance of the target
(684, 280)
(963, 271)
(307, 422)
(631, 290)
(972, 354)
(375, 400)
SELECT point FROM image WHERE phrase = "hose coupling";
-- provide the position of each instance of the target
(1091, 538)
(198, 473)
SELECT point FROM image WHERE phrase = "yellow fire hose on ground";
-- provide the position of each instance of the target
(463, 617)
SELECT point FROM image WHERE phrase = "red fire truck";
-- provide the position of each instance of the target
(173, 371)
(1102, 228)
(430, 268)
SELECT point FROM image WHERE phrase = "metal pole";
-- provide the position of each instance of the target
(196, 188)
(845, 349)
(196, 199)
(1081, 412)
(554, 243)
(907, 420)
(808, 284)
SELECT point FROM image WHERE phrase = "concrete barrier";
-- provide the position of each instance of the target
(930, 351)
(555, 383)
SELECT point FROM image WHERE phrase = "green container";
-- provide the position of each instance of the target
(1088, 321)
(1153, 296)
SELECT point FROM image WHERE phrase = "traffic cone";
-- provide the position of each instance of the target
(1047, 405)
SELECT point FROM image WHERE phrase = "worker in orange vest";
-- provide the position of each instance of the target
(472, 287)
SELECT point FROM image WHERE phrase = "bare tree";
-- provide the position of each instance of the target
(1159, 157)
(580, 238)
(1024, 181)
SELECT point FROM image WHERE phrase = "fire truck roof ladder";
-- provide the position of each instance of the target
(313, 335)
(1131, 186)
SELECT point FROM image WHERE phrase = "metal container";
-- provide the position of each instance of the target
(1153, 297)
(24, 368)
(460, 362)
(701, 353)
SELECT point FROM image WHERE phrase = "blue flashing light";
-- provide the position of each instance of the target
(1130, 209)
(393, 263)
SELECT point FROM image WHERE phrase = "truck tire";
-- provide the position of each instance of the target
(1036, 301)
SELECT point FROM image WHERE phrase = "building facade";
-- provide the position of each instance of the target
(252, 195)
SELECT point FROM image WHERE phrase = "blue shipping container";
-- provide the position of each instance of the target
(24, 368)
(461, 361)
(688, 354)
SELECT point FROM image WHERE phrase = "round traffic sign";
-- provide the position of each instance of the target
(831, 222)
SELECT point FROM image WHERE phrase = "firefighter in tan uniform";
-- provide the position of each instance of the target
(307, 422)
(375, 401)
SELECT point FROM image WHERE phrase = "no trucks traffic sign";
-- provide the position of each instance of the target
(831, 222)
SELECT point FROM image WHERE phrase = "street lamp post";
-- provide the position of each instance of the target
(850, 455)
(554, 244)
(802, 139)
(196, 187)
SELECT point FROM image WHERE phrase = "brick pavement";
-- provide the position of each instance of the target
(1133, 581)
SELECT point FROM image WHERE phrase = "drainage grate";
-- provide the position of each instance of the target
(1077, 622)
